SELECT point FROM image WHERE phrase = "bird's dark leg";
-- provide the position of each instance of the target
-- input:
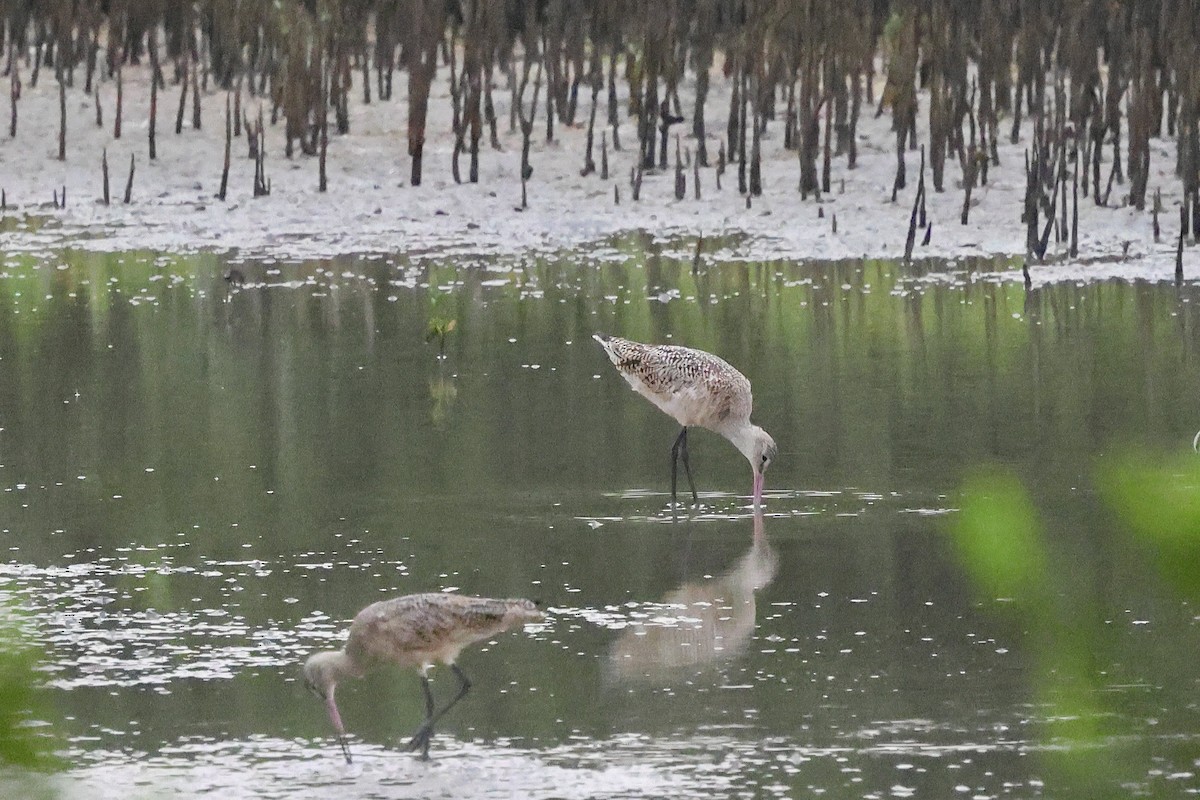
(428, 698)
(464, 686)
(675, 461)
(687, 468)
(679, 442)
(425, 732)
(428, 724)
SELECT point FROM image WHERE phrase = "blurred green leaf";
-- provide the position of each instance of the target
(999, 539)
(24, 705)
(1160, 503)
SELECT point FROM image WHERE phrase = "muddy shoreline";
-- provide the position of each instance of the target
(370, 206)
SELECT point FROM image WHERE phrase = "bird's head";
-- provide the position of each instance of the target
(756, 445)
(764, 450)
(759, 449)
(322, 672)
(321, 675)
(525, 612)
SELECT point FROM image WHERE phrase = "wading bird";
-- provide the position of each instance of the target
(696, 388)
(416, 631)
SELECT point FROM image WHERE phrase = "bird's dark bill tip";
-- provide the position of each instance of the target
(601, 337)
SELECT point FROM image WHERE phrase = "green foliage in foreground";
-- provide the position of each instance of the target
(1002, 543)
(23, 742)
(1160, 504)
(999, 538)
(26, 740)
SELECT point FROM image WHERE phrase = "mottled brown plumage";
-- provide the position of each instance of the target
(416, 631)
(696, 388)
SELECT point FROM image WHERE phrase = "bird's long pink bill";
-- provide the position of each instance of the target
(758, 488)
(336, 719)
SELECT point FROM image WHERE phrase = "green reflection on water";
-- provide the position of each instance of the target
(234, 471)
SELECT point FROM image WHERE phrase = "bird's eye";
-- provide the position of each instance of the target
(765, 459)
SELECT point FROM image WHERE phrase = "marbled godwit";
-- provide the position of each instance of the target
(696, 388)
(417, 630)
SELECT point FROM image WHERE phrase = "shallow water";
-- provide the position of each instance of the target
(202, 482)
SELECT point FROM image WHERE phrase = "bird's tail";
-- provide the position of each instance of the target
(616, 347)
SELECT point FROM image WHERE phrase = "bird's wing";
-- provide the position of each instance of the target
(666, 369)
(695, 387)
(387, 630)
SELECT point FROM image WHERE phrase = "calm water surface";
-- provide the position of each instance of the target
(202, 483)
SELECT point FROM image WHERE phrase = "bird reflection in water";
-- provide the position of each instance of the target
(442, 394)
(702, 622)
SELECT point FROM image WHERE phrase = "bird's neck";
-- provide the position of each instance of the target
(339, 666)
(743, 438)
(348, 666)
